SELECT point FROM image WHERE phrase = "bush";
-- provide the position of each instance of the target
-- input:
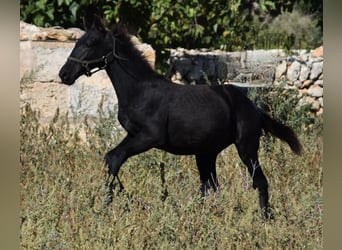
(282, 104)
(229, 25)
(296, 30)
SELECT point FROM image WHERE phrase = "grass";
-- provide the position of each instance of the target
(62, 182)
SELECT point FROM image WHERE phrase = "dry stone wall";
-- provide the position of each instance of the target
(42, 54)
(44, 51)
(304, 71)
(306, 74)
(43, 90)
(217, 67)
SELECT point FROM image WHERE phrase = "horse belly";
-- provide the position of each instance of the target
(199, 130)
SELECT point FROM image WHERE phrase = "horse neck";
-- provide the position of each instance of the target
(125, 81)
(129, 72)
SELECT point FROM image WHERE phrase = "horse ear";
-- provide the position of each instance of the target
(92, 21)
(88, 20)
(99, 24)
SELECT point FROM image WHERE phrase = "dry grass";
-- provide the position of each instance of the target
(62, 195)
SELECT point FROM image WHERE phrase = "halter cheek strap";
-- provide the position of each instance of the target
(104, 59)
(86, 63)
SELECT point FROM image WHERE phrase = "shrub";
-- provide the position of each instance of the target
(229, 25)
(282, 104)
(296, 30)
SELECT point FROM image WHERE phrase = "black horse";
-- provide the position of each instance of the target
(185, 120)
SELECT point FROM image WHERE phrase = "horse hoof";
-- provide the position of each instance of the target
(267, 215)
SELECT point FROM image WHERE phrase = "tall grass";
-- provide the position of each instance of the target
(62, 182)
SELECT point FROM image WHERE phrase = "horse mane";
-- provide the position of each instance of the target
(131, 52)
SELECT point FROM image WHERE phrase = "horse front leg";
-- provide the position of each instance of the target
(110, 189)
(129, 146)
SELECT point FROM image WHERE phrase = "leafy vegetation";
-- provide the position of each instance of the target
(229, 25)
(284, 105)
(62, 181)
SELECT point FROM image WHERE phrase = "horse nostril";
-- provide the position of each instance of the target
(62, 74)
(65, 77)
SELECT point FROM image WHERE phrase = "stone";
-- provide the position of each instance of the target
(318, 52)
(293, 71)
(195, 73)
(76, 33)
(243, 59)
(304, 73)
(77, 100)
(307, 83)
(35, 33)
(305, 57)
(277, 82)
(305, 100)
(42, 35)
(298, 84)
(182, 65)
(244, 77)
(319, 82)
(232, 69)
(315, 91)
(281, 69)
(48, 62)
(222, 70)
(315, 105)
(27, 31)
(176, 77)
(85, 98)
(46, 98)
(27, 59)
(302, 92)
(316, 70)
(320, 100)
(290, 83)
(320, 111)
(58, 34)
(209, 68)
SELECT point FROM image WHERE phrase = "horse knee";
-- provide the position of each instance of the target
(113, 163)
(260, 183)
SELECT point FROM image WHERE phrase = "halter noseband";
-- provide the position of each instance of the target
(104, 59)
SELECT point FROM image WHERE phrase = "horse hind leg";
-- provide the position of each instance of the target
(206, 165)
(249, 156)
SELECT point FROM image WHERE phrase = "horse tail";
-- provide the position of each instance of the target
(281, 131)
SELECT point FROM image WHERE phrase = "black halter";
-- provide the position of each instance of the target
(104, 59)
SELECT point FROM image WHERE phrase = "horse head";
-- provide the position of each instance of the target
(92, 52)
